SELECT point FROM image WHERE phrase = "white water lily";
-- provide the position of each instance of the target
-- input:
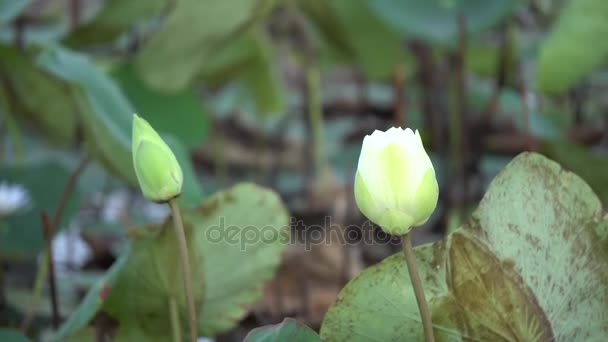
(12, 198)
(395, 185)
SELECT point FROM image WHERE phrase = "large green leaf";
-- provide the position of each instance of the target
(578, 159)
(288, 330)
(21, 233)
(529, 266)
(228, 270)
(248, 59)
(379, 304)
(484, 58)
(326, 21)
(106, 112)
(152, 278)
(245, 209)
(350, 28)
(12, 335)
(130, 331)
(92, 302)
(437, 20)
(44, 100)
(107, 116)
(10, 9)
(116, 17)
(378, 48)
(229, 62)
(567, 55)
(261, 79)
(193, 31)
(181, 114)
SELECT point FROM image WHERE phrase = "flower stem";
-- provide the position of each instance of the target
(12, 128)
(425, 314)
(175, 326)
(185, 266)
(315, 112)
(41, 275)
(47, 232)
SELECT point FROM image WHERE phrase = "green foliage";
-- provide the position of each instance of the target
(152, 277)
(66, 89)
(10, 9)
(249, 209)
(576, 46)
(115, 17)
(12, 335)
(378, 48)
(92, 302)
(38, 96)
(106, 115)
(130, 331)
(105, 112)
(484, 59)
(44, 22)
(21, 233)
(325, 19)
(437, 20)
(193, 32)
(360, 36)
(230, 61)
(181, 115)
(261, 79)
(592, 168)
(288, 330)
(529, 265)
(217, 233)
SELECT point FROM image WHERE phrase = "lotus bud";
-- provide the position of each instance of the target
(395, 184)
(158, 172)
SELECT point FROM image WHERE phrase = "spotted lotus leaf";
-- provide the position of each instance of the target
(531, 264)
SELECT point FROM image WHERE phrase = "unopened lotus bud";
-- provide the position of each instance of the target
(158, 172)
(395, 185)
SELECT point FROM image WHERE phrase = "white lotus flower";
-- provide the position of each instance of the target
(395, 185)
(12, 198)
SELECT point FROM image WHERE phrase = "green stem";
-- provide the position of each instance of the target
(185, 266)
(13, 130)
(37, 292)
(315, 112)
(220, 165)
(175, 326)
(425, 314)
(399, 115)
(44, 266)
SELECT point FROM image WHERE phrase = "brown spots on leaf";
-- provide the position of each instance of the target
(229, 196)
(491, 295)
(533, 240)
(104, 292)
(209, 207)
(438, 255)
(474, 226)
(514, 228)
(566, 234)
(262, 200)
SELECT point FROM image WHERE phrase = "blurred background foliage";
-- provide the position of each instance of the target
(280, 93)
